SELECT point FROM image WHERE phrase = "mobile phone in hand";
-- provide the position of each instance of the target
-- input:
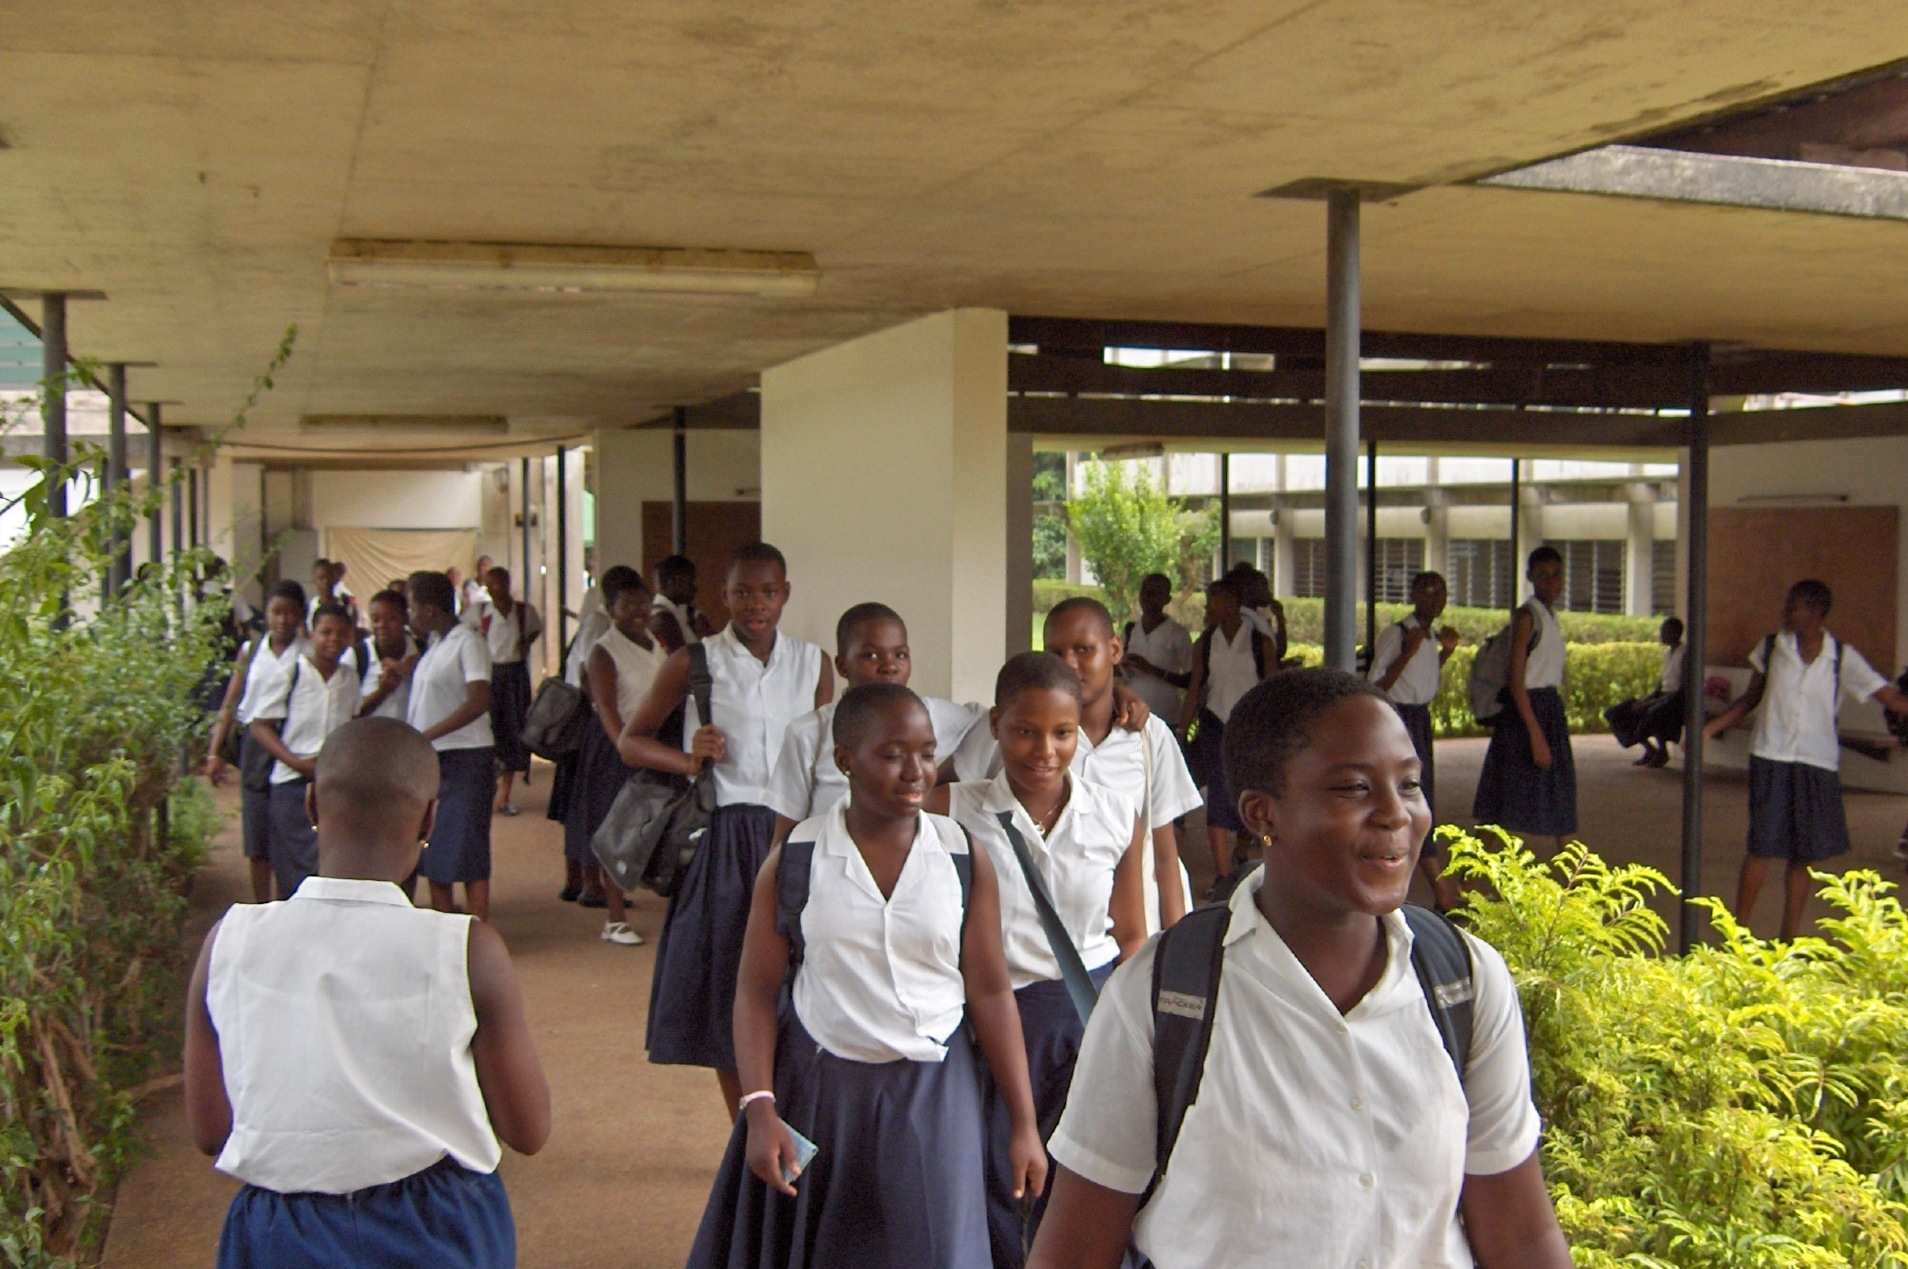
(805, 1151)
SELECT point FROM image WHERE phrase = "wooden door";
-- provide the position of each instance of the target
(715, 530)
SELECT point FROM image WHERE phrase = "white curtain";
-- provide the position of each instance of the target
(375, 557)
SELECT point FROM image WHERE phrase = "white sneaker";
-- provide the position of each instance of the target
(619, 932)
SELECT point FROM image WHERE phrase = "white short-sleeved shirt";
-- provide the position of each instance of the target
(1117, 763)
(1231, 671)
(312, 706)
(881, 977)
(806, 780)
(398, 704)
(1417, 684)
(1544, 663)
(1167, 647)
(1674, 659)
(439, 687)
(1076, 860)
(1799, 702)
(345, 1020)
(262, 669)
(590, 629)
(1348, 1136)
(753, 702)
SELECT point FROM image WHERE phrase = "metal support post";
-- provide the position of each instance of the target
(1371, 547)
(1517, 515)
(679, 504)
(175, 485)
(563, 556)
(523, 474)
(1225, 513)
(1695, 642)
(117, 477)
(1341, 428)
(155, 484)
(53, 404)
(193, 526)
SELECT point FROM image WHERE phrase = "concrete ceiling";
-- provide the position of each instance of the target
(195, 160)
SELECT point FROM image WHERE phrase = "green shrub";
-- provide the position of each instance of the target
(1305, 623)
(1738, 1108)
(99, 834)
(1047, 593)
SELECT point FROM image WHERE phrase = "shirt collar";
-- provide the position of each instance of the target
(350, 890)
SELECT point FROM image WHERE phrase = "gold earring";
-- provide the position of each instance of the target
(1265, 841)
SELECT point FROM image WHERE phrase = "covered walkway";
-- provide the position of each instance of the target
(624, 1177)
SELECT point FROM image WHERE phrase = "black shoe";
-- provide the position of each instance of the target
(568, 894)
(592, 901)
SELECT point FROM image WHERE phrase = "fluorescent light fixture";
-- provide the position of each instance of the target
(510, 266)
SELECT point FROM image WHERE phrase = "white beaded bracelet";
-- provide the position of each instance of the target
(756, 1096)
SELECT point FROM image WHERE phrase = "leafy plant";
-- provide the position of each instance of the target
(99, 834)
(1126, 528)
(1738, 1108)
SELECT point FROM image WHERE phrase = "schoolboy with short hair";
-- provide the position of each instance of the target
(1800, 676)
(1331, 1126)
(357, 1061)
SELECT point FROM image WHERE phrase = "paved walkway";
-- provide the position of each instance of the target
(626, 1172)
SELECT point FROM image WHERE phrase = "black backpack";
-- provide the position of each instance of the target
(1187, 965)
(791, 893)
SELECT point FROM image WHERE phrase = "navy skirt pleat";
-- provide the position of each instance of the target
(444, 1215)
(562, 789)
(692, 996)
(294, 840)
(1795, 812)
(1052, 1030)
(599, 776)
(509, 708)
(255, 810)
(1512, 792)
(460, 841)
(896, 1181)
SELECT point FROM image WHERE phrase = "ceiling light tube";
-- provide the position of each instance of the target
(503, 266)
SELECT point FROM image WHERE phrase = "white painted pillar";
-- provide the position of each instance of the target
(1639, 538)
(884, 477)
(1019, 542)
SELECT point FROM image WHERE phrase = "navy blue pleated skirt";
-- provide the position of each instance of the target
(294, 841)
(1795, 812)
(1051, 1029)
(445, 1215)
(255, 810)
(692, 997)
(599, 775)
(1511, 792)
(562, 789)
(509, 708)
(1417, 722)
(896, 1181)
(460, 843)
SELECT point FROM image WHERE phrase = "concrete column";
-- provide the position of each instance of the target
(1639, 539)
(1020, 516)
(928, 536)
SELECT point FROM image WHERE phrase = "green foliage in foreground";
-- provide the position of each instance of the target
(1744, 1107)
(99, 836)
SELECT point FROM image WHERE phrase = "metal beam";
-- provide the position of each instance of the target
(118, 475)
(1812, 423)
(193, 525)
(1623, 387)
(523, 497)
(53, 400)
(174, 487)
(1371, 547)
(155, 485)
(1225, 511)
(1516, 524)
(563, 555)
(679, 485)
(1341, 427)
(1695, 641)
(1395, 426)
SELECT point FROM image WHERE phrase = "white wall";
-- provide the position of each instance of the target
(396, 500)
(636, 465)
(884, 477)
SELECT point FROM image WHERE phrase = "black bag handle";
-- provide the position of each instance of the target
(1072, 969)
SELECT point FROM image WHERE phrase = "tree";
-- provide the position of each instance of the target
(1126, 528)
(1050, 527)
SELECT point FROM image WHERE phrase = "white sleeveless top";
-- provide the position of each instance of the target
(636, 668)
(264, 670)
(1076, 860)
(1231, 671)
(345, 1021)
(753, 702)
(881, 978)
(1544, 666)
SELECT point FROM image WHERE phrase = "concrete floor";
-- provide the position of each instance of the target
(623, 1179)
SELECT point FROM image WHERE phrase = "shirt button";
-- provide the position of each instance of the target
(1358, 1103)
(1367, 1180)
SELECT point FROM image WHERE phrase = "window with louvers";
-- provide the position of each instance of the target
(1399, 560)
(1593, 574)
(1480, 573)
(1308, 568)
(1663, 598)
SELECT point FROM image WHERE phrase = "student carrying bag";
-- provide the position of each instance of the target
(1490, 673)
(554, 726)
(657, 823)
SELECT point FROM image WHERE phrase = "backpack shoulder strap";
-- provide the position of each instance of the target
(959, 844)
(1442, 961)
(791, 896)
(701, 685)
(1187, 961)
(1259, 642)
